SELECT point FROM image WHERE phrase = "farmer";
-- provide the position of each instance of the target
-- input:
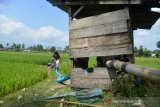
(55, 64)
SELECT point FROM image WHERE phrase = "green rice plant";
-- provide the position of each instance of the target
(15, 76)
(92, 62)
(148, 62)
(19, 69)
(21, 57)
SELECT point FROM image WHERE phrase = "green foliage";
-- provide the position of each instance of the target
(65, 66)
(158, 44)
(37, 47)
(157, 53)
(16, 47)
(7, 44)
(53, 48)
(1, 46)
(23, 46)
(141, 51)
(66, 49)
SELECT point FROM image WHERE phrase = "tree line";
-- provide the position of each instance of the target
(35, 48)
(139, 51)
(142, 51)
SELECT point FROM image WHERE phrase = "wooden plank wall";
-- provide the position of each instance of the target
(102, 35)
(101, 77)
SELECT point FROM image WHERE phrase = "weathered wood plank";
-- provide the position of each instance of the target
(120, 2)
(102, 51)
(109, 17)
(100, 77)
(78, 43)
(113, 39)
(94, 2)
(103, 29)
(98, 73)
(91, 83)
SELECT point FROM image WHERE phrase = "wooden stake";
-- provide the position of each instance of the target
(61, 104)
(73, 103)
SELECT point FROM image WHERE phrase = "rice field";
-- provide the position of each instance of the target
(19, 70)
(15, 76)
(20, 57)
(148, 62)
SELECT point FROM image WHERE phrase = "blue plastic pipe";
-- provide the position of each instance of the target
(56, 69)
(60, 78)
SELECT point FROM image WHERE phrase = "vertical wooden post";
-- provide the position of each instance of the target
(72, 63)
(131, 57)
(70, 14)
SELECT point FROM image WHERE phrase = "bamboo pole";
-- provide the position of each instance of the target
(145, 72)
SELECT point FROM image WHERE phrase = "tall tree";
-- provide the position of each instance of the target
(1, 46)
(146, 53)
(141, 51)
(7, 44)
(31, 47)
(34, 48)
(18, 47)
(23, 46)
(66, 49)
(39, 47)
(135, 50)
(14, 46)
(53, 48)
(158, 44)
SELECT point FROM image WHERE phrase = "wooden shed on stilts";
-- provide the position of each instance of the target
(104, 29)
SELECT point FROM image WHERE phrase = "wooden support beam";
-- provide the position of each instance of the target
(130, 27)
(97, 2)
(78, 11)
